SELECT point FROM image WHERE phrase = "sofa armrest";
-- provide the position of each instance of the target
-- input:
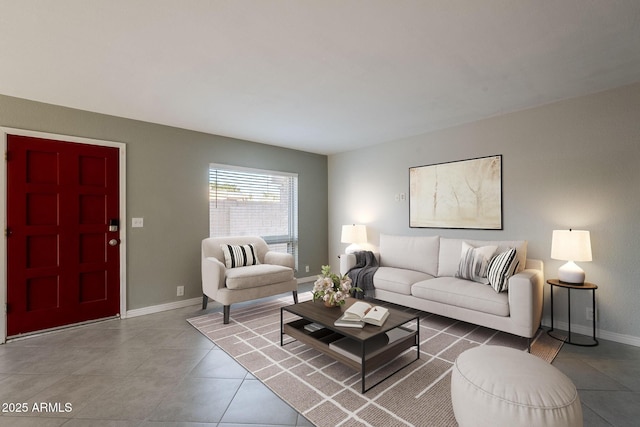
(213, 276)
(525, 299)
(347, 262)
(534, 264)
(279, 258)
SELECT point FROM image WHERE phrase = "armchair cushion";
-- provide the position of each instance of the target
(253, 276)
(239, 255)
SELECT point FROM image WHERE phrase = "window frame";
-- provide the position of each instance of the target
(290, 238)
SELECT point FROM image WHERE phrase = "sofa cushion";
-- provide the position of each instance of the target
(474, 262)
(397, 280)
(239, 255)
(257, 275)
(464, 294)
(450, 249)
(501, 268)
(419, 253)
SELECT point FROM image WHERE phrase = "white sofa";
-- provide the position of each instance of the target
(419, 272)
(272, 274)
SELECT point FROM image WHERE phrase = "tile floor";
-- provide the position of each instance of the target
(157, 370)
(608, 381)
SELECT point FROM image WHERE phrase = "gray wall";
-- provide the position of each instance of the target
(167, 185)
(571, 164)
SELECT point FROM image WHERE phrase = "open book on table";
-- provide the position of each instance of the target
(362, 312)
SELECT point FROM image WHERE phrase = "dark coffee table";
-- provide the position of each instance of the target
(368, 354)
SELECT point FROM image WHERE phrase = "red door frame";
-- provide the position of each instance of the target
(4, 131)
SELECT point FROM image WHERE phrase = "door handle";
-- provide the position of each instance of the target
(114, 242)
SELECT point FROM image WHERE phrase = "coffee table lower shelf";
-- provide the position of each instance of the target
(322, 339)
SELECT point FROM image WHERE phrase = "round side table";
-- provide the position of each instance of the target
(569, 286)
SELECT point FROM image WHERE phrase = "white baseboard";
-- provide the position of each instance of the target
(600, 334)
(164, 307)
(184, 303)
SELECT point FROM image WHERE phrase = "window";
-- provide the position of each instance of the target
(246, 201)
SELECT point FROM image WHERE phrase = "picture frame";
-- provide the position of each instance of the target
(464, 194)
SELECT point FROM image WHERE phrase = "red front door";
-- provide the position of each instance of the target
(63, 263)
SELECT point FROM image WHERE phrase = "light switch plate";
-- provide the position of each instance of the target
(137, 222)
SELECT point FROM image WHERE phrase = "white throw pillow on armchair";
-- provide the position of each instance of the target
(239, 255)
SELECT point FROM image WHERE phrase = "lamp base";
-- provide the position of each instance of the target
(354, 247)
(571, 273)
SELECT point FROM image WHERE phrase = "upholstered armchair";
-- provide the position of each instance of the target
(241, 268)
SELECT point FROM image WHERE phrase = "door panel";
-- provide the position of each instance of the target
(61, 269)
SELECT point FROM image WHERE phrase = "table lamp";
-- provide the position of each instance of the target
(354, 234)
(571, 245)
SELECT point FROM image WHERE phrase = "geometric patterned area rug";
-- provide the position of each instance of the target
(327, 392)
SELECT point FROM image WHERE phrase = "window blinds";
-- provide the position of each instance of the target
(246, 201)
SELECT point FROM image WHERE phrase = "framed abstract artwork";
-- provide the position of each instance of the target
(460, 194)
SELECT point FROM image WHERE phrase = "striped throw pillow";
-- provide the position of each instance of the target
(239, 255)
(474, 262)
(501, 267)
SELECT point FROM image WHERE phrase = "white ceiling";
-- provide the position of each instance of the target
(322, 76)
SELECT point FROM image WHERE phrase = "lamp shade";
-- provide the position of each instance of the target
(354, 234)
(571, 245)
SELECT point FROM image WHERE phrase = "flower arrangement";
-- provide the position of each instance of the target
(331, 288)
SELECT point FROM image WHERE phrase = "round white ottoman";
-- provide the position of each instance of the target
(500, 386)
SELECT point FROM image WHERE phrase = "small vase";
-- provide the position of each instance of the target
(330, 304)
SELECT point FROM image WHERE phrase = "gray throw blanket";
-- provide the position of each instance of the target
(362, 273)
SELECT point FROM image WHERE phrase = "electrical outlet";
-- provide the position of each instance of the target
(306, 268)
(180, 291)
(589, 313)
